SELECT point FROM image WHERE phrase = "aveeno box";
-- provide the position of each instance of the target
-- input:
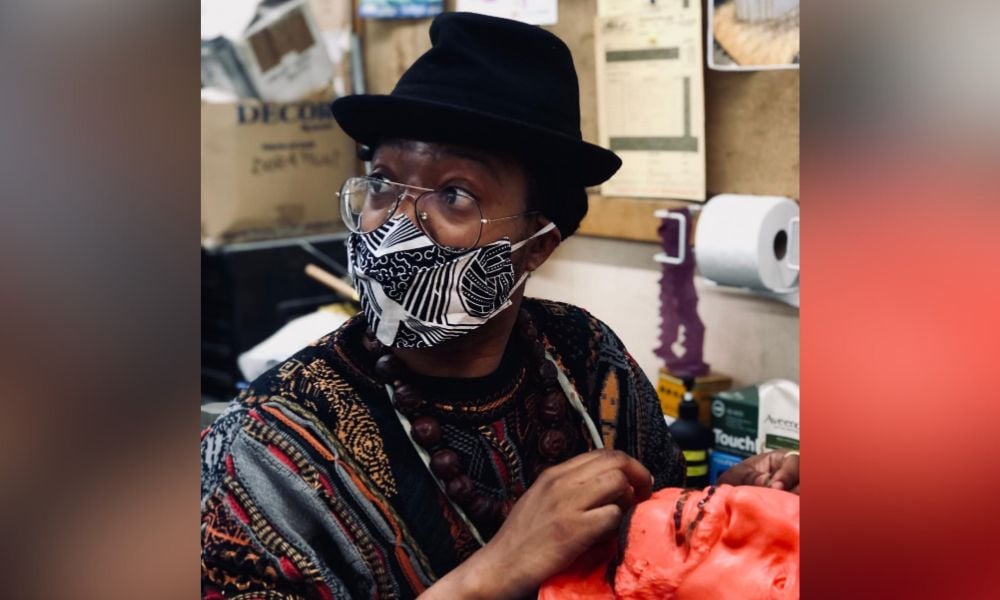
(734, 421)
(778, 421)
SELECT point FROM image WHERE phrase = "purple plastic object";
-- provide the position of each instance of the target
(682, 334)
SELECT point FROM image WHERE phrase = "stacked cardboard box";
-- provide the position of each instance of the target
(670, 389)
(271, 170)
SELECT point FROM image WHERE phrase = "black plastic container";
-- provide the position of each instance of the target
(694, 438)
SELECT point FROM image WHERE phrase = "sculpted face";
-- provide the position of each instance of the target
(745, 546)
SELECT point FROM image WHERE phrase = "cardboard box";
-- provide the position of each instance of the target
(271, 170)
(670, 390)
(719, 463)
(734, 421)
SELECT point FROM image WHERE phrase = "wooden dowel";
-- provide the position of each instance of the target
(332, 281)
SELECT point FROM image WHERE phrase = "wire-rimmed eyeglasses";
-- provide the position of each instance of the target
(450, 217)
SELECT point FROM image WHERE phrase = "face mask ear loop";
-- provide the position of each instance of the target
(540, 232)
(525, 275)
(520, 282)
(514, 247)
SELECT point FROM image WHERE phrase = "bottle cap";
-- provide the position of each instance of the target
(688, 409)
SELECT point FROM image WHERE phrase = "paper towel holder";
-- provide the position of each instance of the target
(789, 296)
(663, 257)
(793, 242)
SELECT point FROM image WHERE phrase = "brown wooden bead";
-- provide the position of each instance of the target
(553, 443)
(389, 369)
(460, 489)
(446, 464)
(371, 344)
(408, 399)
(481, 508)
(549, 373)
(426, 431)
(552, 408)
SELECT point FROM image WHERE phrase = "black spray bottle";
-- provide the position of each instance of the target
(694, 438)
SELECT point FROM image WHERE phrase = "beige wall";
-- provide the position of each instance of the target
(749, 338)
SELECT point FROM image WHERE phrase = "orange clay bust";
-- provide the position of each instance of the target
(733, 543)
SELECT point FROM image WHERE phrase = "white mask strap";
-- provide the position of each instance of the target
(541, 231)
(520, 282)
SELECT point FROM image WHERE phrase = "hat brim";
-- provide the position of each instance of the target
(369, 118)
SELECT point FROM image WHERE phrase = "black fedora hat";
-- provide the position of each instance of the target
(487, 82)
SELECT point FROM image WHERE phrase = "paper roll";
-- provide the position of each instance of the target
(745, 241)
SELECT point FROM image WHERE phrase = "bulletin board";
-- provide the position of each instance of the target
(751, 118)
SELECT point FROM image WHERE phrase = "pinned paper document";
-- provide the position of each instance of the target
(650, 98)
(533, 12)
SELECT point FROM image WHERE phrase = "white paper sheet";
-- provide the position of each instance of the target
(618, 8)
(226, 18)
(294, 336)
(534, 12)
(651, 108)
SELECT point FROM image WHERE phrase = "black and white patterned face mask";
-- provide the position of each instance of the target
(416, 294)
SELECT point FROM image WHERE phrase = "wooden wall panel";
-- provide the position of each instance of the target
(390, 47)
(752, 132)
(576, 28)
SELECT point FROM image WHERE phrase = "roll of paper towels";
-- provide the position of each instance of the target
(746, 241)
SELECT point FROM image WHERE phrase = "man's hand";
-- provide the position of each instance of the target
(571, 506)
(777, 470)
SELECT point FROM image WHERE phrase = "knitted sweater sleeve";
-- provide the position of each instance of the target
(234, 563)
(258, 519)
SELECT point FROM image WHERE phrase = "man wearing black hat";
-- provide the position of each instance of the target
(455, 439)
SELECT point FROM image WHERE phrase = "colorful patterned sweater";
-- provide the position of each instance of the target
(311, 488)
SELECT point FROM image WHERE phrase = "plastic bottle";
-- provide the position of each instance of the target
(694, 438)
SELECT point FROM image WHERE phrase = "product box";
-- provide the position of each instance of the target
(284, 54)
(778, 418)
(271, 169)
(670, 390)
(275, 52)
(719, 463)
(734, 421)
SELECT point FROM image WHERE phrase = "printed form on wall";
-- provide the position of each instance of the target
(534, 12)
(650, 97)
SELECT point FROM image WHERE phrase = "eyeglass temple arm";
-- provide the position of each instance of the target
(530, 212)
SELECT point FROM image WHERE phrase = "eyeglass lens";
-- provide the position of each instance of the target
(447, 217)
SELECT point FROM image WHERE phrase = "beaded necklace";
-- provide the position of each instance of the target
(443, 463)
